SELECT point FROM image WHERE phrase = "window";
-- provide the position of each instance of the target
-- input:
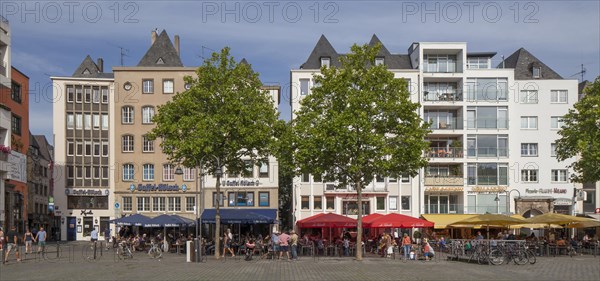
(104, 95)
(487, 174)
(15, 93)
(104, 121)
(127, 143)
(96, 95)
(127, 204)
(104, 172)
(487, 89)
(104, 149)
(317, 202)
(529, 149)
(143, 204)
(405, 178)
(78, 172)
(96, 121)
(147, 86)
(147, 144)
(88, 148)
(87, 121)
(70, 172)
(70, 93)
(96, 172)
(351, 207)
(147, 114)
(97, 149)
(379, 61)
(380, 202)
(553, 149)
(529, 175)
(325, 62)
(174, 204)
(405, 202)
(263, 199)
(556, 122)
(330, 201)
(304, 86)
(487, 145)
(189, 174)
(148, 172)
(16, 125)
(304, 202)
(70, 121)
(168, 174)
(168, 87)
(88, 94)
(379, 178)
(439, 63)
(263, 170)
(305, 177)
(78, 94)
(529, 122)
(128, 172)
(537, 72)
(78, 148)
(241, 198)
(158, 204)
(559, 175)
(220, 199)
(88, 172)
(478, 63)
(190, 204)
(70, 148)
(528, 96)
(79, 121)
(393, 203)
(248, 169)
(127, 115)
(558, 96)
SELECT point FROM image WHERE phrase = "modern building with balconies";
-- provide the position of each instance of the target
(491, 142)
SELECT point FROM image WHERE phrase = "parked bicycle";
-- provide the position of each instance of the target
(155, 251)
(124, 251)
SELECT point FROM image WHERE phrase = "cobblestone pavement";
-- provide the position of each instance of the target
(73, 266)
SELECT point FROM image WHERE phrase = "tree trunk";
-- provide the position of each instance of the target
(359, 222)
(218, 219)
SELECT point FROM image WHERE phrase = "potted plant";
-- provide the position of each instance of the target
(417, 236)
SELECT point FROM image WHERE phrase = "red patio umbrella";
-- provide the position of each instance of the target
(399, 221)
(367, 220)
(327, 220)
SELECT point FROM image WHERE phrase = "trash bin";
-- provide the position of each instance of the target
(190, 251)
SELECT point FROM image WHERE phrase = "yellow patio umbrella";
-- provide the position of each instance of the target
(555, 218)
(489, 220)
(584, 224)
(531, 225)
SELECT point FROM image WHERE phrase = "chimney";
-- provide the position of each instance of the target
(100, 65)
(177, 45)
(153, 33)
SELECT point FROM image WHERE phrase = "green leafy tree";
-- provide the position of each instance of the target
(224, 114)
(580, 136)
(357, 123)
(283, 150)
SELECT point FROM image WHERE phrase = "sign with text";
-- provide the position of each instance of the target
(86, 192)
(154, 187)
(546, 190)
(18, 167)
(250, 182)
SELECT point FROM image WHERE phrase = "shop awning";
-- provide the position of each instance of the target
(168, 221)
(441, 221)
(394, 220)
(327, 220)
(135, 220)
(247, 216)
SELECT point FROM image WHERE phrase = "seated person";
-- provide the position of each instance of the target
(561, 242)
(250, 249)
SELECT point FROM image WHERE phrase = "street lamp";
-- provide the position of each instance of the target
(199, 189)
(508, 199)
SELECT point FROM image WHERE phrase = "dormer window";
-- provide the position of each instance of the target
(537, 72)
(325, 62)
(379, 61)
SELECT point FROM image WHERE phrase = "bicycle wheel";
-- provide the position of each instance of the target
(520, 258)
(531, 257)
(496, 257)
(483, 258)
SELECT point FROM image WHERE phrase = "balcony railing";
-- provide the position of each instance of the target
(445, 152)
(443, 208)
(435, 96)
(452, 180)
(487, 180)
(447, 124)
(487, 123)
(487, 152)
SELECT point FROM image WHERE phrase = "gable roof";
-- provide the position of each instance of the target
(89, 69)
(44, 147)
(161, 53)
(523, 62)
(325, 49)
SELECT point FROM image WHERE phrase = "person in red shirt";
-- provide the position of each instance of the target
(284, 239)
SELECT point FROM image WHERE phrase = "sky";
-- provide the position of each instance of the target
(52, 38)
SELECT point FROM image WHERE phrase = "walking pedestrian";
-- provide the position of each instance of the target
(407, 245)
(41, 240)
(107, 237)
(12, 241)
(227, 239)
(294, 243)
(284, 239)
(28, 238)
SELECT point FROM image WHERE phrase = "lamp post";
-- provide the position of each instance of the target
(199, 190)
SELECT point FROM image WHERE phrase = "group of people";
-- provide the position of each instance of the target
(386, 244)
(275, 245)
(11, 240)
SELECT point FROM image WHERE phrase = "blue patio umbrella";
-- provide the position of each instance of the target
(133, 220)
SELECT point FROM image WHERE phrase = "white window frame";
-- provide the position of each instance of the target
(409, 203)
(377, 207)
(168, 172)
(70, 93)
(104, 92)
(325, 61)
(99, 146)
(128, 172)
(147, 114)
(537, 72)
(70, 121)
(527, 175)
(174, 204)
(78, 148)
(96, 121)
(87, 121)
(379, 61)
(96, 95)
(87, 148)
(78, 94)
(559, 122)
(307, 90)
(553, 149)
(79, 121)
(105, 149)
(159, 204)
(528, 97)
(104, 121)
(127, 203)
(530, 149)
(529, 119)
(70, 148)
(87, 94)
(147, 86)
(143, 204)
(190, 203)
(189, 174)
(127, 114)
(168, 89)
(148, 172)
(559, 96)
(147, 145)
(127, 143)
(393, 204)
(559, 176)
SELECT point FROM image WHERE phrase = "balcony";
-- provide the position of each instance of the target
(443, 209)
(436, 180)
(487, 123)
(487, 152)
(441, 97)
(451, 123)
(445, 152)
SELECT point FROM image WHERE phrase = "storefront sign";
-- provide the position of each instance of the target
(155, 187)
(546, 190)
(444, 188)
(17, 167)
(563, 202)
(87, 213)
(240, 183)
(86, 192)
(488, 189)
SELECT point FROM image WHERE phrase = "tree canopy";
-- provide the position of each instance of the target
(580, 136)
(224, 114)
(357, 123)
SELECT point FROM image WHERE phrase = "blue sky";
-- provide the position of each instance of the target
(52, 38)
